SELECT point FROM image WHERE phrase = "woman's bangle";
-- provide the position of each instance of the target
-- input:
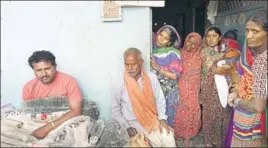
(52, 124)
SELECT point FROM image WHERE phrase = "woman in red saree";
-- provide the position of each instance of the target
(214, 85)
(188, 116)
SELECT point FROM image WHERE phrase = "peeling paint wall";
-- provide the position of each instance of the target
(85, 47)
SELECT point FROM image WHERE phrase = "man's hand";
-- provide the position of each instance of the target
(41, 132)
(231, 97)
(163, 124)
(131, 131)
(139, 140)
(143, 141)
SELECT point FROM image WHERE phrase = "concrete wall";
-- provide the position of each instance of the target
(235, 22)
(84, 46)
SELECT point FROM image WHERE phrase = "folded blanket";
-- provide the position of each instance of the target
(80, 131)
(53, 104)
(222, 86)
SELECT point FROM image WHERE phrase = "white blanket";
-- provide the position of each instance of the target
(222, 86)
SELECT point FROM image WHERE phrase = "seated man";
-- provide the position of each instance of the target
(50, 82)
(139, 103)
(51, 113)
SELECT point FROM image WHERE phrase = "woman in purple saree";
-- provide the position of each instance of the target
(166, 64)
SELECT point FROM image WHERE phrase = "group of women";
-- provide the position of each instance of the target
(202, 73)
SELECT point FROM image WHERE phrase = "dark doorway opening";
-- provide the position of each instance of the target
(184, 15)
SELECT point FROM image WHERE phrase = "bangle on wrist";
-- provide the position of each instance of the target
(52, 124)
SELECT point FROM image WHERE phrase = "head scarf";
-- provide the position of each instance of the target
(168, 57)
(233, 48)
(195, 51)
(169, 29)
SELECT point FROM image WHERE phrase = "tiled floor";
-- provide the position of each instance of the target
(197, 141)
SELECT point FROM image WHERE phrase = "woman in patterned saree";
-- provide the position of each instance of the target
(249, 97)
(214, 86)
(166, 64)
(188, 116)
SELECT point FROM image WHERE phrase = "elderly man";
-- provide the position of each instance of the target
(50, 82)
(139, 103)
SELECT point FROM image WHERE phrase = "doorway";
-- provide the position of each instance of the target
(185, 16)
